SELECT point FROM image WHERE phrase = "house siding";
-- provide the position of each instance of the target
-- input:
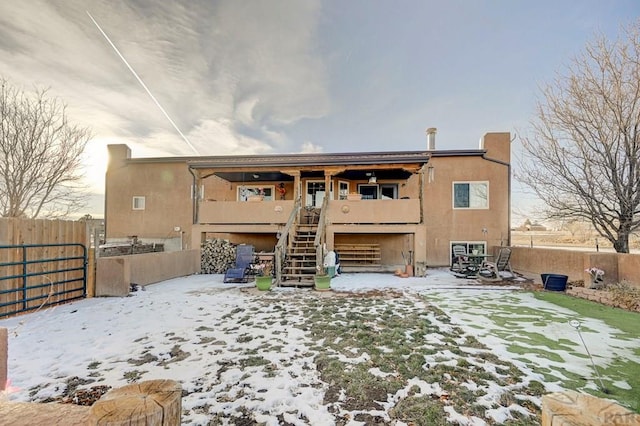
(421, 221)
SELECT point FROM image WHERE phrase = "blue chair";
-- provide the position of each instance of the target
(244, 259)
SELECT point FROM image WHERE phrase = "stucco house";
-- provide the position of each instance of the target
(379, 210)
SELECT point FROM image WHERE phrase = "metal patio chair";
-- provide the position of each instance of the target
(244, 259)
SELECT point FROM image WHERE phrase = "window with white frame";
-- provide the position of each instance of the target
(316, 192)
(471, 195)
(245, 192)
(471, 247)
(138, 202)
(343, 190)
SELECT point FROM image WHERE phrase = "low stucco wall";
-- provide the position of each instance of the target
(535, 261)
(114, 275)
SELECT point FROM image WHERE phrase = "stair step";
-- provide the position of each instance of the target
(307, 245)
(298, 260)
(296, 270)
(299, 275)
(297, 283)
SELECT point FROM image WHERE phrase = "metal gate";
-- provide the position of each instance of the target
(33, 276)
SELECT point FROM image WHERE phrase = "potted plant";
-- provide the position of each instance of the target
(264, 278)
(321, 279)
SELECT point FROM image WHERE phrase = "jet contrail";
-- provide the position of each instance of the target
(143, 85)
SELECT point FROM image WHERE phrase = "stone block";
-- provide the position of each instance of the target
(113, 277)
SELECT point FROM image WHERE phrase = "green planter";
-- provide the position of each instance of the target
(263, 283)
(322, 282)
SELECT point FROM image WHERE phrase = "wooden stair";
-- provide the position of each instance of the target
(300, 264)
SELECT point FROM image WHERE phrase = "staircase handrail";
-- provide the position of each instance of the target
(280, 249)
(319, 241)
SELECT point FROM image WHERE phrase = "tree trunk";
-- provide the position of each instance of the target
(149, 403)
(621, 245)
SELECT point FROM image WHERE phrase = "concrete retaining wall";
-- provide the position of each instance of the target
(535, 261)
(114, 275)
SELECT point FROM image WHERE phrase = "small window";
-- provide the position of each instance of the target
(138, 203)
(247, 192)
(471, 195)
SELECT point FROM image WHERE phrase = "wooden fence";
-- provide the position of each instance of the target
(18, 232)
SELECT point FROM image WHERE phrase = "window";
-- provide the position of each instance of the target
(138, 203)
(385, 191)
(247, 191)
(471, 195)
(343, 190)
(389, 191)
(315, 193)
(369, 192)
(469, 246)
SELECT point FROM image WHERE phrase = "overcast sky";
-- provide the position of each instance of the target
(260, 77)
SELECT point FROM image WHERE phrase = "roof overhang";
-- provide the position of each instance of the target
(350, 166)
(281, 167)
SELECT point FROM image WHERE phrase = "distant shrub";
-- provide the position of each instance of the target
(625, 296)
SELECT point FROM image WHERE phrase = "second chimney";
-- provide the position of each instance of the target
(431, 138)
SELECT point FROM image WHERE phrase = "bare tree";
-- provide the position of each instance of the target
(583, 155)
(40, 155)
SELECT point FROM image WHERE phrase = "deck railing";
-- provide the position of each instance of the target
(319, 241)
(336, 211)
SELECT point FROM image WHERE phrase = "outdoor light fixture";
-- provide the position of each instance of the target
(256, 176)
(373, 178)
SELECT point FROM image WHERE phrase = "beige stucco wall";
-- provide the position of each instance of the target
(374, 211)
(166, 187)
(445, 224)
(535, 261)
(229, 212)
(114, 275)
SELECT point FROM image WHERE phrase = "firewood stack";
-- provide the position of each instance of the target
(218, 255)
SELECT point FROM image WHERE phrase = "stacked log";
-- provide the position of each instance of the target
(217, 256)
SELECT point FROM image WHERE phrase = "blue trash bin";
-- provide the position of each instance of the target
(554, 282)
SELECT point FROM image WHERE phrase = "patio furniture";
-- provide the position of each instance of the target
(492, 270)
(244, 259)
(460, 259)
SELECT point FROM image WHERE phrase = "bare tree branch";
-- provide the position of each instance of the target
(40, 158)
(583, 155)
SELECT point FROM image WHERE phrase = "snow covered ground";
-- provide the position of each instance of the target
(237, 350)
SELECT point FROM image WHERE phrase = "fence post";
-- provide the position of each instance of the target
(4, 358)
